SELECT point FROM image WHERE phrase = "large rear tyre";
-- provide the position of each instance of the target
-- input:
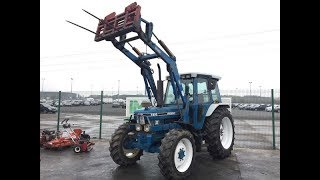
(176, 154)
(219, 133)
(121, 155)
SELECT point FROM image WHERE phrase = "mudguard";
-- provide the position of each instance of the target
(214, 106)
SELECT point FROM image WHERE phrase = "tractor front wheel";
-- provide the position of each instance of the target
(118, 151)
(176, 154)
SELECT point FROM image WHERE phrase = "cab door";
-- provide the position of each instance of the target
(202, 100)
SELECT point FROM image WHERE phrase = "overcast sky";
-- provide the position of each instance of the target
(237, 40)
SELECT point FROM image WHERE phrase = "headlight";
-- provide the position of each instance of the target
(147, 127)
(138, 127)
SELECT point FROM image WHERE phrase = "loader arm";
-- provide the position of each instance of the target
(114, 26)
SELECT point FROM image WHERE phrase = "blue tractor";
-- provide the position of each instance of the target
(176, 123)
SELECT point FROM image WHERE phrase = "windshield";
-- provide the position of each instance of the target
(169, 96)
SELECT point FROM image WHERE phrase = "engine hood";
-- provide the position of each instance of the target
(157, 111)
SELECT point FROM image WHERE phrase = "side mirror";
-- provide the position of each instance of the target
(212, 84)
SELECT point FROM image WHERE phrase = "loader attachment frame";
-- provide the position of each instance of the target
(114, 26)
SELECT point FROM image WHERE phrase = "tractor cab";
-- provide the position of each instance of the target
(201, 90)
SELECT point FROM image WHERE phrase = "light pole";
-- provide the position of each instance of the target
(71, 83)
(250, 87)
(42, 83)
(112, 93)
(260, 90)
(118, 88)
(137, 90)
(91, 89)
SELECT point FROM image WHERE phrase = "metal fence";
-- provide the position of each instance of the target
(256, 125)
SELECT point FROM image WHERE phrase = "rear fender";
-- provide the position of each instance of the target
(214, 106)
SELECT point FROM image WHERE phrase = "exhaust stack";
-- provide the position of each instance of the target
(159, 89)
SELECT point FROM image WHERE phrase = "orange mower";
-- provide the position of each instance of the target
(76, 138)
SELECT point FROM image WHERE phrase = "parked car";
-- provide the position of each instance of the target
(46, 108)
(91, 100)
(115, 105)
(247, 107)
(261, 107)
(239, 105)
(67, 103)
(123, 104)
(234, 105)
(56, 103)
(95, 102)
(253, 107)
(119, 104)
(107, 100)
(77, 102)
(269, 109)
(50, 102)
(276, 108)
(86, 103)
(242, 106)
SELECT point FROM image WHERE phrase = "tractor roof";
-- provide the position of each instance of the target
(195, 74)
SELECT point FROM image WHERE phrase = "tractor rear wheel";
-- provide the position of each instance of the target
(121, 155)
(219, 133)
(177, 154)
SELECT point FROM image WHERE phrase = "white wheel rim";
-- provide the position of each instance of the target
(226, 133)
(77, 149)
(183, 155)
(130, 153)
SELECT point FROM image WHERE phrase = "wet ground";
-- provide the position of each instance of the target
(244, 163)
(97, 164)
(258, 163)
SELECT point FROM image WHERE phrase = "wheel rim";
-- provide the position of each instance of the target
(130, 153)
(183, 155)
(77, 149)
(226, 133)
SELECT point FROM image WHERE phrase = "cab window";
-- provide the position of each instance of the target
(203, 95)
